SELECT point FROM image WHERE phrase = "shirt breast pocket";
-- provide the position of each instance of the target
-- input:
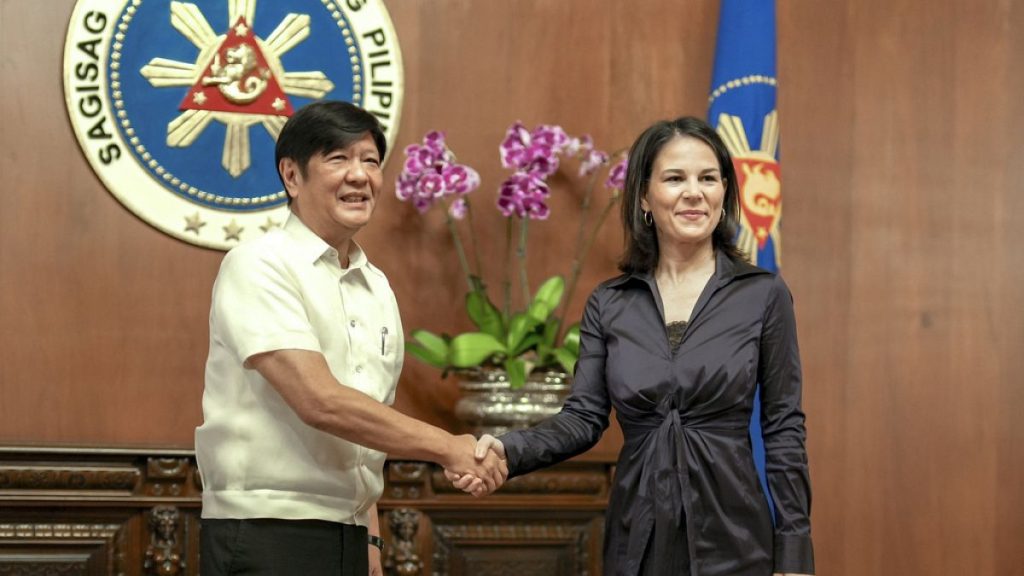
(389, 353)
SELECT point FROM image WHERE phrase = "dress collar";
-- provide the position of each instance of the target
(726, 269)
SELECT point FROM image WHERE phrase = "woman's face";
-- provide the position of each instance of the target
(686, 192)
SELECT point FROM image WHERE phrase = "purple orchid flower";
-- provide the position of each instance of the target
(430, 173)
(524, 195)
(617, 175)
(458, 209)
(459, 179)
(592, 160)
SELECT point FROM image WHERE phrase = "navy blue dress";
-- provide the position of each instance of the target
(686, 498)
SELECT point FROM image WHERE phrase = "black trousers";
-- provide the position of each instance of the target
(270, 547)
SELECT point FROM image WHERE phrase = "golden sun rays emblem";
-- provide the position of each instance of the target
(167, 99)
(238, 84)
(759, 183)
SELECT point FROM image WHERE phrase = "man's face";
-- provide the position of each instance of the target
(338, 194)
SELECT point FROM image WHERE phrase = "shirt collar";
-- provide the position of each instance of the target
(726, 269)
(311, 247)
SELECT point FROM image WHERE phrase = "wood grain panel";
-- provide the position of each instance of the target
(906, 286)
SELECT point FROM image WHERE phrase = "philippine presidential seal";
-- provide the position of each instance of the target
(177, 105)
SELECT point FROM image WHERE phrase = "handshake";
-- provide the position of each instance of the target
(477, 467)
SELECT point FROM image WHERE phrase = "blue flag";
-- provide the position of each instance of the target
(742, 108)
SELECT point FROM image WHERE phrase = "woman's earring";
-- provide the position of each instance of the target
(725, 215)
(648, 219)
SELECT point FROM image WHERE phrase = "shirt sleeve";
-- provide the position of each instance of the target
(258, 307)
(583, 417)
(782, 426)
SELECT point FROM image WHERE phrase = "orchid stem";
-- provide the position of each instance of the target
(574, 272)
(506, 282)
(476, 247)
(525, 284)
(458, 247)
(577, 265)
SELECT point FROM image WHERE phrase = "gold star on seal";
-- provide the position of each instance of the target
(270, 224)
(194, 223)
(199, 98)
(241, 30)
(233, 231)
(278, 104)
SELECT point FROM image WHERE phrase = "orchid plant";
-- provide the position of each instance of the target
(532, 338)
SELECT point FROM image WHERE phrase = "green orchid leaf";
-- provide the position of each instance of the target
(566, 359)
(571, 341)
(550, 292)
(473, 348)
(550, 332)
(424, 354)
(436, 346)
(544, 353)
(527, 343)
(518, 328)
(484, 314)
(516, 369)
(539, 311)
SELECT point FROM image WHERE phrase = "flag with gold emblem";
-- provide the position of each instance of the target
(742, 109)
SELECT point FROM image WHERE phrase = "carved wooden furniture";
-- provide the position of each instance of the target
(122, 511)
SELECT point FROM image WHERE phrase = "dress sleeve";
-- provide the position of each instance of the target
(584, 416)
(258, 308)
(782, 426)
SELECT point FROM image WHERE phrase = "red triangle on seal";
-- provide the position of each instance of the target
(238, 79)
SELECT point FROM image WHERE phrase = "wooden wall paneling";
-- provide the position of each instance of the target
(892, 246)
(999, 323)
(103, 317)
(816, 150)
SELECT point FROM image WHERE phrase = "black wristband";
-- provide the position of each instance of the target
(376, 541)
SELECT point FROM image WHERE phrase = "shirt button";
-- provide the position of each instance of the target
(352, 323)
(359, 369)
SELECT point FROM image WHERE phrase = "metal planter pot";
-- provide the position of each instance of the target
(489, 406)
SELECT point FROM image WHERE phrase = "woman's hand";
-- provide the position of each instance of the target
(488, 442)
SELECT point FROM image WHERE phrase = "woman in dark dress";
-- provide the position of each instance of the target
(678, 344)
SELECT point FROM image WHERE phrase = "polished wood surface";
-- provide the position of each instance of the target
(904, 196)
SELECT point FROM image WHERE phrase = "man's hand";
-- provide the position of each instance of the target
(487, 447)
(476, 475)
(376, 568)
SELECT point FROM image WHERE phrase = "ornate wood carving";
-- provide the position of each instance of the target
(163, 556)
(167, 476)
(58, 531)
(121, 511)
(407, 480)
(14, 477)
(402, 558)
(59, 548)
(482, 547)
(29, 567)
